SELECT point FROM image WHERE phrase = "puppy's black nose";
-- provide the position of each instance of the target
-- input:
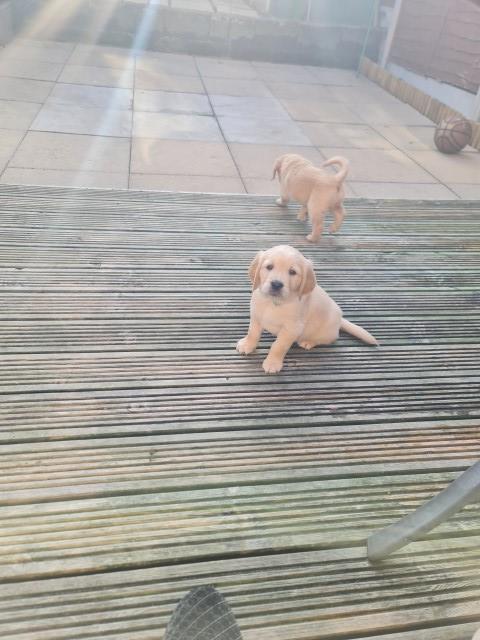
(276, 285)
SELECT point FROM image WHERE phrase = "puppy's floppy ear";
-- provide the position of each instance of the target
(309, 281)
(254, 270)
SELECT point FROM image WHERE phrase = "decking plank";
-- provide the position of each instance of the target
(86, 536)
(157, 335)
(321, 588)
(141, 456)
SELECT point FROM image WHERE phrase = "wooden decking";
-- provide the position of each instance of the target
(142, 456)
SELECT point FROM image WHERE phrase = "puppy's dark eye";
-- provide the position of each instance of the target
(292, 272)
(269, 267)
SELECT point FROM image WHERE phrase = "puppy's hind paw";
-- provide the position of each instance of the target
(245, 346)
(280, 202)
(306, 345)
(312, 238)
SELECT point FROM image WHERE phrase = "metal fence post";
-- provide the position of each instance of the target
(391, 33)
(373, 13)
(309, 11)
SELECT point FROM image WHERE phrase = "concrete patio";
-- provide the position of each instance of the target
(89, 116)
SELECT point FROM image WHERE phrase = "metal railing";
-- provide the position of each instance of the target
(464, 490)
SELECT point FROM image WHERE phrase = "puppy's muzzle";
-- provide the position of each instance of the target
(276, 287)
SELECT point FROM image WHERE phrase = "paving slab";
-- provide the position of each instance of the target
(310, 92)
(403, 190)
(161, 81)
(97, 76)
(172, 101)
(376, 113)
(271, 187)
(349, 190)
(82, 95)
(95, 56)
(31, 69)
(334, 77)
(72, 119)
(261, 186)
(349, 136)
(256, 160)
(182, 157)
(266, 131)
(225, 68)
(84, 179)
(9, 141)
(232, 87)
(85, 95)
(315, 111)
(168, 63)
(18, 115)
(24, 89)
(416, 138)
(466, 191)
(248, 107)
(55, 52)
(204, 184)
(363, 93)
(70, 152)
(458, 168)
(284, 73)
(44, 45)
(380, 165)
(174, 126)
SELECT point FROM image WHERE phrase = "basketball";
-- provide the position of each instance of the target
(453, 134)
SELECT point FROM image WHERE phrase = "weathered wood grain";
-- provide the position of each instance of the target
(141, 455)
(295, 590)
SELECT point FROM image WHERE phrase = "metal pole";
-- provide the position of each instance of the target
(373, 13)
(309, 11)
(465, 489)
(391, 33)
(476, 108)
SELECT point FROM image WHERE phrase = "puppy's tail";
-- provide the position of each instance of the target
(344, 166)
(358, 332)
(276, 168)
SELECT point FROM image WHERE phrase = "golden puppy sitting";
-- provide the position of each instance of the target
(288, 303)
(316, 190)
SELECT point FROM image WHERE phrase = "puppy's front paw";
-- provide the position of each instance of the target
(334, 228)
(311, 238)
(272, 365)
(245, 346)
(280, 202)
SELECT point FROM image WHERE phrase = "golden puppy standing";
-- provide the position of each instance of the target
(288, 303)
(314, 188)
